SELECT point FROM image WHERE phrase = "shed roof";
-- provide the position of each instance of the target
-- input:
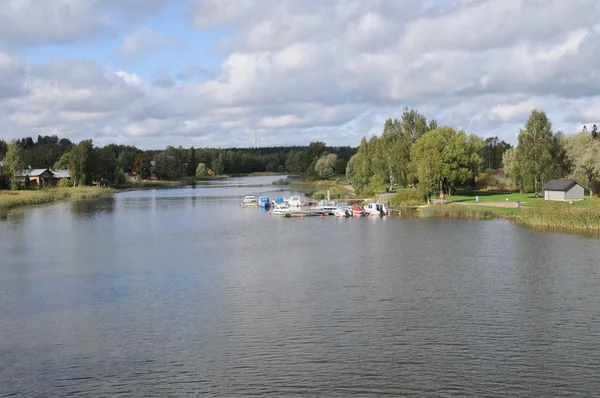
(560, 185)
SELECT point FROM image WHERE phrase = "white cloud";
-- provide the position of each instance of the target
(30, 22)
(300, 70)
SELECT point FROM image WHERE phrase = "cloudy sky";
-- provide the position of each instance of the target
(220, 72)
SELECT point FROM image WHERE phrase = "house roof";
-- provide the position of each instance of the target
(560, 185)
(31, 172)
(61, 173)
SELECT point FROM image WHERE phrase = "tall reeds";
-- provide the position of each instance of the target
(569, 218)
(12, 199)
(453, 211)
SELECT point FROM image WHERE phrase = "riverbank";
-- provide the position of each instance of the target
(583, 215)
(12, 199)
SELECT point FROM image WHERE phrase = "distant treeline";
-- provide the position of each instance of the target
(88, 163)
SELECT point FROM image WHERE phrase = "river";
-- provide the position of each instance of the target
(182, 292)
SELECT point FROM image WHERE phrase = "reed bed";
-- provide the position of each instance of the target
(452, 211)
(566, 218)
(12, 199)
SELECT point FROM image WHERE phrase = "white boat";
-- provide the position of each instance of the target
(294, 201)
(343, 211)
(281, 210)
(249, 201)
(375, 209)
(325, 207)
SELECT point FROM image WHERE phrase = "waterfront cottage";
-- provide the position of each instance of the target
(37, 177)
(43, 177)
(563, 190)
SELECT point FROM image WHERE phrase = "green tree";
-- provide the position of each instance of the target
(534, 157)
(362, 166)
(168, 164)
(583, 152)
(13, 165)
(350, 167)
(340, 166)
(509, 166)
(217, 166)
(126, 159)
(192, 162)
(103, 165)
(63, 162)
(325, 166)
(443, 160)
(3, 149)
(79, 162)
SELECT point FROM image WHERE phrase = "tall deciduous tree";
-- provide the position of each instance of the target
(13, 165)
(534, 160)
(325, 166)
(79, 162)
(362, 166)
(445, 158)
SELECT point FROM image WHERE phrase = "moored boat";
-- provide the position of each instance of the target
(281, 210)
(264, 201)
(249, 201)
(343, 211)
(375, 209)
(357, 211)
(325, 207)
(294, 201)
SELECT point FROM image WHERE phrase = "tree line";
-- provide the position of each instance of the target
(89, 164)
(415, 152)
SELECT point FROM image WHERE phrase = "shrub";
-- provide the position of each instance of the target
(407, 197)
(65, 183)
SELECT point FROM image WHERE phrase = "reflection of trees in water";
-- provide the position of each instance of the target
(13, 218)
(87, 208)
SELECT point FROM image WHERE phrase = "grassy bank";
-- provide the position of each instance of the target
(583, 215)
(12, 199)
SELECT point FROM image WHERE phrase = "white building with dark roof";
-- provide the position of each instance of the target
(563, 190)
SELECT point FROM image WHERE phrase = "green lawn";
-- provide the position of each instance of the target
(526, 199)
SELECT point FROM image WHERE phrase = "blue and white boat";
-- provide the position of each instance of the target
(264, 201)
(278, 201)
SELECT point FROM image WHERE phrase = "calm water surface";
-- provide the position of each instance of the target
(182, 292)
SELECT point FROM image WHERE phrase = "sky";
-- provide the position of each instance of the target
(222, 73)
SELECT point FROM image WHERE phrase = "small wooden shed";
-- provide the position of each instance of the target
(563, 190)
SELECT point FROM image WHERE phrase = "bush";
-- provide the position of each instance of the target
(407, 197)
(65, 183)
